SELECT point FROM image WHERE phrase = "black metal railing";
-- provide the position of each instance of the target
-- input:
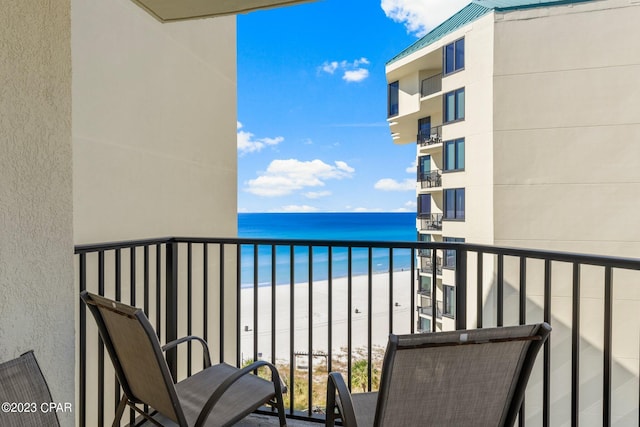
(433, 136)
(426, 308)
(431, 85)
(426, 265)
(431, 221)
(431, 179)
(224, 289)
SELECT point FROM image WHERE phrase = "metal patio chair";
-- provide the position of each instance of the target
(460, 378)
(24, 394)
(219, 395)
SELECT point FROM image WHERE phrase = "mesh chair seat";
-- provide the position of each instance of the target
(458, 378)
(219, 395)
(21, 381)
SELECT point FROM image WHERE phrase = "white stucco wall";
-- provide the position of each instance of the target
(36, 264)
(566, 178)
(154, 124)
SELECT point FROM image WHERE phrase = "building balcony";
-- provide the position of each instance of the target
(427, 310)
(430, 222)
(426, 265)
(431, 85)
(433, 137)
(277, 299)
(430, 180)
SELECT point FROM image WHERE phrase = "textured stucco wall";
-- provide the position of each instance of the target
(36, 235)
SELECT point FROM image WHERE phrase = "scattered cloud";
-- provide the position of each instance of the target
(410, 206)
(353, 71)
(317, 194)
(388, 184)
(355, 75)
(412, 168)
(248, 144)
(298, 208)
(283, 177)
(366, 210)
(421, 16)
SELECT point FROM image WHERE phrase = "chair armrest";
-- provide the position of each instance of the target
(205, 347)
(217, 394)
(336, 384)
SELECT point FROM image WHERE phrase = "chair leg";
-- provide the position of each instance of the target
(120, 411)
(279, 403)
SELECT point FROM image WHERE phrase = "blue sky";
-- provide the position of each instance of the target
(312, 129)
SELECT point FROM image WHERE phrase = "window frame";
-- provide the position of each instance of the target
(448, 307)
(456, 151)
(456, 216)
(454, 52)
(395, 86)
(445, 104)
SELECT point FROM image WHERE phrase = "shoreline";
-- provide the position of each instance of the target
(319, 301)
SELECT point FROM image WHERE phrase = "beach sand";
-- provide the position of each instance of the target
(379, 318)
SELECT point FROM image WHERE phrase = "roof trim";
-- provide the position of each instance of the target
(470, 13)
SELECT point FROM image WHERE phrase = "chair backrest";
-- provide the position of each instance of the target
(22, 383)
(461, 378)
(136, 355)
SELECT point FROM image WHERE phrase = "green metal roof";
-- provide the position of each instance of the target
(470, 13)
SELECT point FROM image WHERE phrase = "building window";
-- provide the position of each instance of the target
(454, 155)
(450, 254)
(454, 105)
(449, 301)
(454, 56)
(425, 286)
(424, 325)
(393, 98)
(454, 203)
(424, 205)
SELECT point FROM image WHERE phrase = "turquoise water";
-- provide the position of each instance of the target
(395, 227)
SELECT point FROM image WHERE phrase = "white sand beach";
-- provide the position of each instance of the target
(401, 306)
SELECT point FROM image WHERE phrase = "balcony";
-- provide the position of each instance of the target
(431, 85)
(427, 310)
(276, 299)
(426, 265)
(430, 222)
(434, 136)
(430, 180)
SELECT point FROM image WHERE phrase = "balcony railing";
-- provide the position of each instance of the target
(431, 85)
(433, 136)
(431, 179)
(426, 265)
(275, 299)
(427, 309)
(430, 221)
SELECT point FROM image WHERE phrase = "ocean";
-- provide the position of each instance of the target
(399, 227)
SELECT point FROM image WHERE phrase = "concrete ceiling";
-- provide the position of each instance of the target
(178, 10)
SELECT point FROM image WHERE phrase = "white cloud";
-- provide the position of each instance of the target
(298, 208)
(421, 16)
(355, 75)
(412, 168)
(317, 194)
(248, 144)
(283, 177)
(351, 71)
(367, 210)
(388, 184)
(410, 206)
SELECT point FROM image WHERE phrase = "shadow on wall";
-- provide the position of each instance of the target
(625, 337)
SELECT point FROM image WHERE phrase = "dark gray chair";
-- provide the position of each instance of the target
(461, 378)
(22, 383)
(219, 395)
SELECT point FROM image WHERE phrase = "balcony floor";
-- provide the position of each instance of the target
(259, 420)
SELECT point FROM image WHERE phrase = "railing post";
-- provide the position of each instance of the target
(171, 305)
(461, 288)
